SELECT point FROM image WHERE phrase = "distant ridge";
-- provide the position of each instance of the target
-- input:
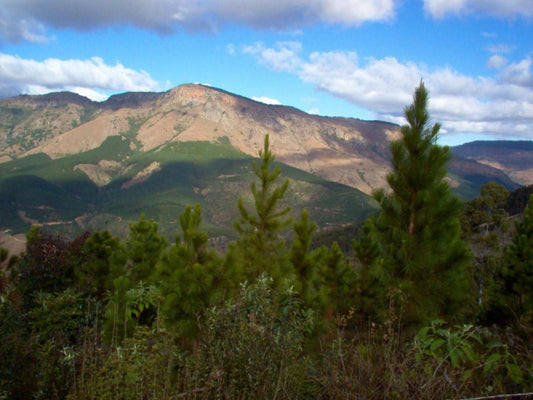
(514, 158)
(344, 150)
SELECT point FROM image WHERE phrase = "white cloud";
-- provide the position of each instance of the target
(28, 19)
(500, 48)
(87, 77)
(499, 106)
(267, 100)
(498, 8)
(282, 58)
(520, 73)
(496, 62)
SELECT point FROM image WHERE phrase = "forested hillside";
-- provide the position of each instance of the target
(72, 164)
(433, 300)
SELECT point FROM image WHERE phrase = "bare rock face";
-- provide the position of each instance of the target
(102, 173)
(343, 150)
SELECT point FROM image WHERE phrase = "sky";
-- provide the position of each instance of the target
(350, 58)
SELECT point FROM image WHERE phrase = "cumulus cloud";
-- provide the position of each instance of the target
(498, 8)
(499, 106)
(28, 19)
(496, 61)
(86, 77)
(282, 58)
(287, 14)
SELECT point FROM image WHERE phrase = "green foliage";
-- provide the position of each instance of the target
(419, 221)
(518, 271)
(144, 247)
(3, 254)
(339, 278)
(309, 264)
(456, 346)
(261, 247)
(55, 323)
(125, 308)
(16, 353)
(484, 222)
(518, 200)
(475, 353)
(262, 333)
(487, 211)
(141, 368)
(106, 257)
(370, 297)
(190, 276)
(97, 318)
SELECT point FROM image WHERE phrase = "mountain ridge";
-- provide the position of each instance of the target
(70, 163)
(344, 150)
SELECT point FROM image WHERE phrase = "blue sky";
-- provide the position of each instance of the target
(351, 58)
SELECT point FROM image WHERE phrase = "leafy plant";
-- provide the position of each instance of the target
(254, 345)
(456, 345)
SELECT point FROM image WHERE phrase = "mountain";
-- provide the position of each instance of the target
(73, 164)
(514, 158)
(63, 124)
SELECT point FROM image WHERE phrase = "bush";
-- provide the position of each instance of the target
(253, 347)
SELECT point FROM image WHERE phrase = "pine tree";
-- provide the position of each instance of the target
(518, 270)
(419, 221)
(144, 247)
(340, 279)
(106, 257)
(483, 221)
(261, 248)
(190, 276)
(308, 264)
(370, 298)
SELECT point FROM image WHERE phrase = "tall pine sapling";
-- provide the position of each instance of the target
(261, 247)
(308, 264)
(189, 276)
(144, 247)
(370, 298)
(518, 270)
(419, 221)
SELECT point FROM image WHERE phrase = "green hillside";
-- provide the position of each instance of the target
(56, 193)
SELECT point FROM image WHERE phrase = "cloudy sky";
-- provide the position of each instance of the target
(352, 58)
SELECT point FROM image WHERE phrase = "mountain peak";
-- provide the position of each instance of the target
(130, 99)
(54, 99)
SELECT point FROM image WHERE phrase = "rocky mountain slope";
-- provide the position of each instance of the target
(514, 158)
(347, 151)
(110, 161)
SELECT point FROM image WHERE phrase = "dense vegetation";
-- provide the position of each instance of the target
(434, 299)
(57, 194)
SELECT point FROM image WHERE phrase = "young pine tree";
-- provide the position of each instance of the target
(419, 221)
(309, 264)
(370, 298)
(144, 247)
(106, 257)
(261, 249)
(190, 276)
(518, 270)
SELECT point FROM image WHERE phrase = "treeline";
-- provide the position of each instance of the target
(435, 300)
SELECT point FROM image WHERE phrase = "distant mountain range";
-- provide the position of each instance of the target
(74, 164)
